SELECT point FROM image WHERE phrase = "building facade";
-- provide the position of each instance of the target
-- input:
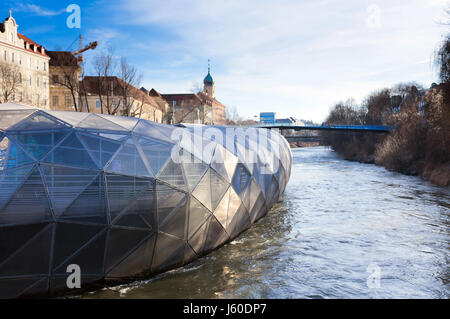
(64, 80)
(106, 95)
(201, 107)
(25, 65)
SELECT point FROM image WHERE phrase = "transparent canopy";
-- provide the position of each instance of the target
(124, 197)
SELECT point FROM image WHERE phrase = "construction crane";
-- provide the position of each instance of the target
(79, 53)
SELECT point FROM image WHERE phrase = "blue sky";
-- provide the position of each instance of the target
(294, 57)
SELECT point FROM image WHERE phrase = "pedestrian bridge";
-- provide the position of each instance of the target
(348, 128)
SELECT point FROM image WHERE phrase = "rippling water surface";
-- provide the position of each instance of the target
(335, 219)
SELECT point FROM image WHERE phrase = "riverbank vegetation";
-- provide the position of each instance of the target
(420, 141)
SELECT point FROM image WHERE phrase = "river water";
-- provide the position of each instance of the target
(341, 230)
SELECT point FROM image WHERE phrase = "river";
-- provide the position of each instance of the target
(341, 230)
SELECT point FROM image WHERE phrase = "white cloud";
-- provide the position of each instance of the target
(293, 57)
(37, 10)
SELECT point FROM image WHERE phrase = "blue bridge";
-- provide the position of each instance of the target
(348, 128)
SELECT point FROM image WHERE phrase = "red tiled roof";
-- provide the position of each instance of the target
(91, 85)
(31, 42)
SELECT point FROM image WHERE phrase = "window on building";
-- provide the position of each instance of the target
(55, 79)
(37, 82)
(29, 80)
(20, 97)
(45, 66)
(20, 77)
(4, 55)
(37, 65)
(12, 57)
(97, 104)
(68, 100)
(55, 100)
(20, 59)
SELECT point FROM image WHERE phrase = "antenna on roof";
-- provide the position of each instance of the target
(10, 14)
(209, 65)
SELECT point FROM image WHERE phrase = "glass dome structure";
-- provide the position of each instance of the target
(124, 198)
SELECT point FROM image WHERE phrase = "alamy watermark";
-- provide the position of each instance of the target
(74, 19)
(74, 279)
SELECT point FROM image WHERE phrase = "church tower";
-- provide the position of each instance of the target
(208, 83)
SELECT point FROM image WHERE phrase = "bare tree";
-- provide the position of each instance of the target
(129, 79)
(66, 73)
(10, 79)
(104, 66)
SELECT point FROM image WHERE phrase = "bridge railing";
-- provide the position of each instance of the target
(381, 128)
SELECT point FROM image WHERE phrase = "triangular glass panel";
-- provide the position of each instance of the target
(234, 206)
(39, 121)
(224, 162)
(140, 211)
(239, 222)
(22, 234)
(221, 211)
(197, 239)
(197, 216)
(216, 236)
(12, 156)
(189, 254)
(218, 188)
(121, 243)
(172, 174)
(71, 153)
(169, 251)
(64, 184)
(137, 263)
(128, 161)
(14, 287)
(259, 209)
(274, 192)
(241, 179)
(155, 152)
(194, 169)
(10, 180)
(72, 118)
(203, 191)
(154, 130)
(29, 204)
(90, 205)
(69, 238)
(37, 144)
(126, 122)
(89, 258)
(102, 149)
(210, 189)
(168, 199)
(94, 121)
(175, 223)
(123, 191)
(9, 118)
(39, 247)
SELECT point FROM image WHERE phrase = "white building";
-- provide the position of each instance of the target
(32, 62)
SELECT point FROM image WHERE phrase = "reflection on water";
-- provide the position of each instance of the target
(334, 220)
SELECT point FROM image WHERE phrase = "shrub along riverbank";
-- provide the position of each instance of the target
(420, 142)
